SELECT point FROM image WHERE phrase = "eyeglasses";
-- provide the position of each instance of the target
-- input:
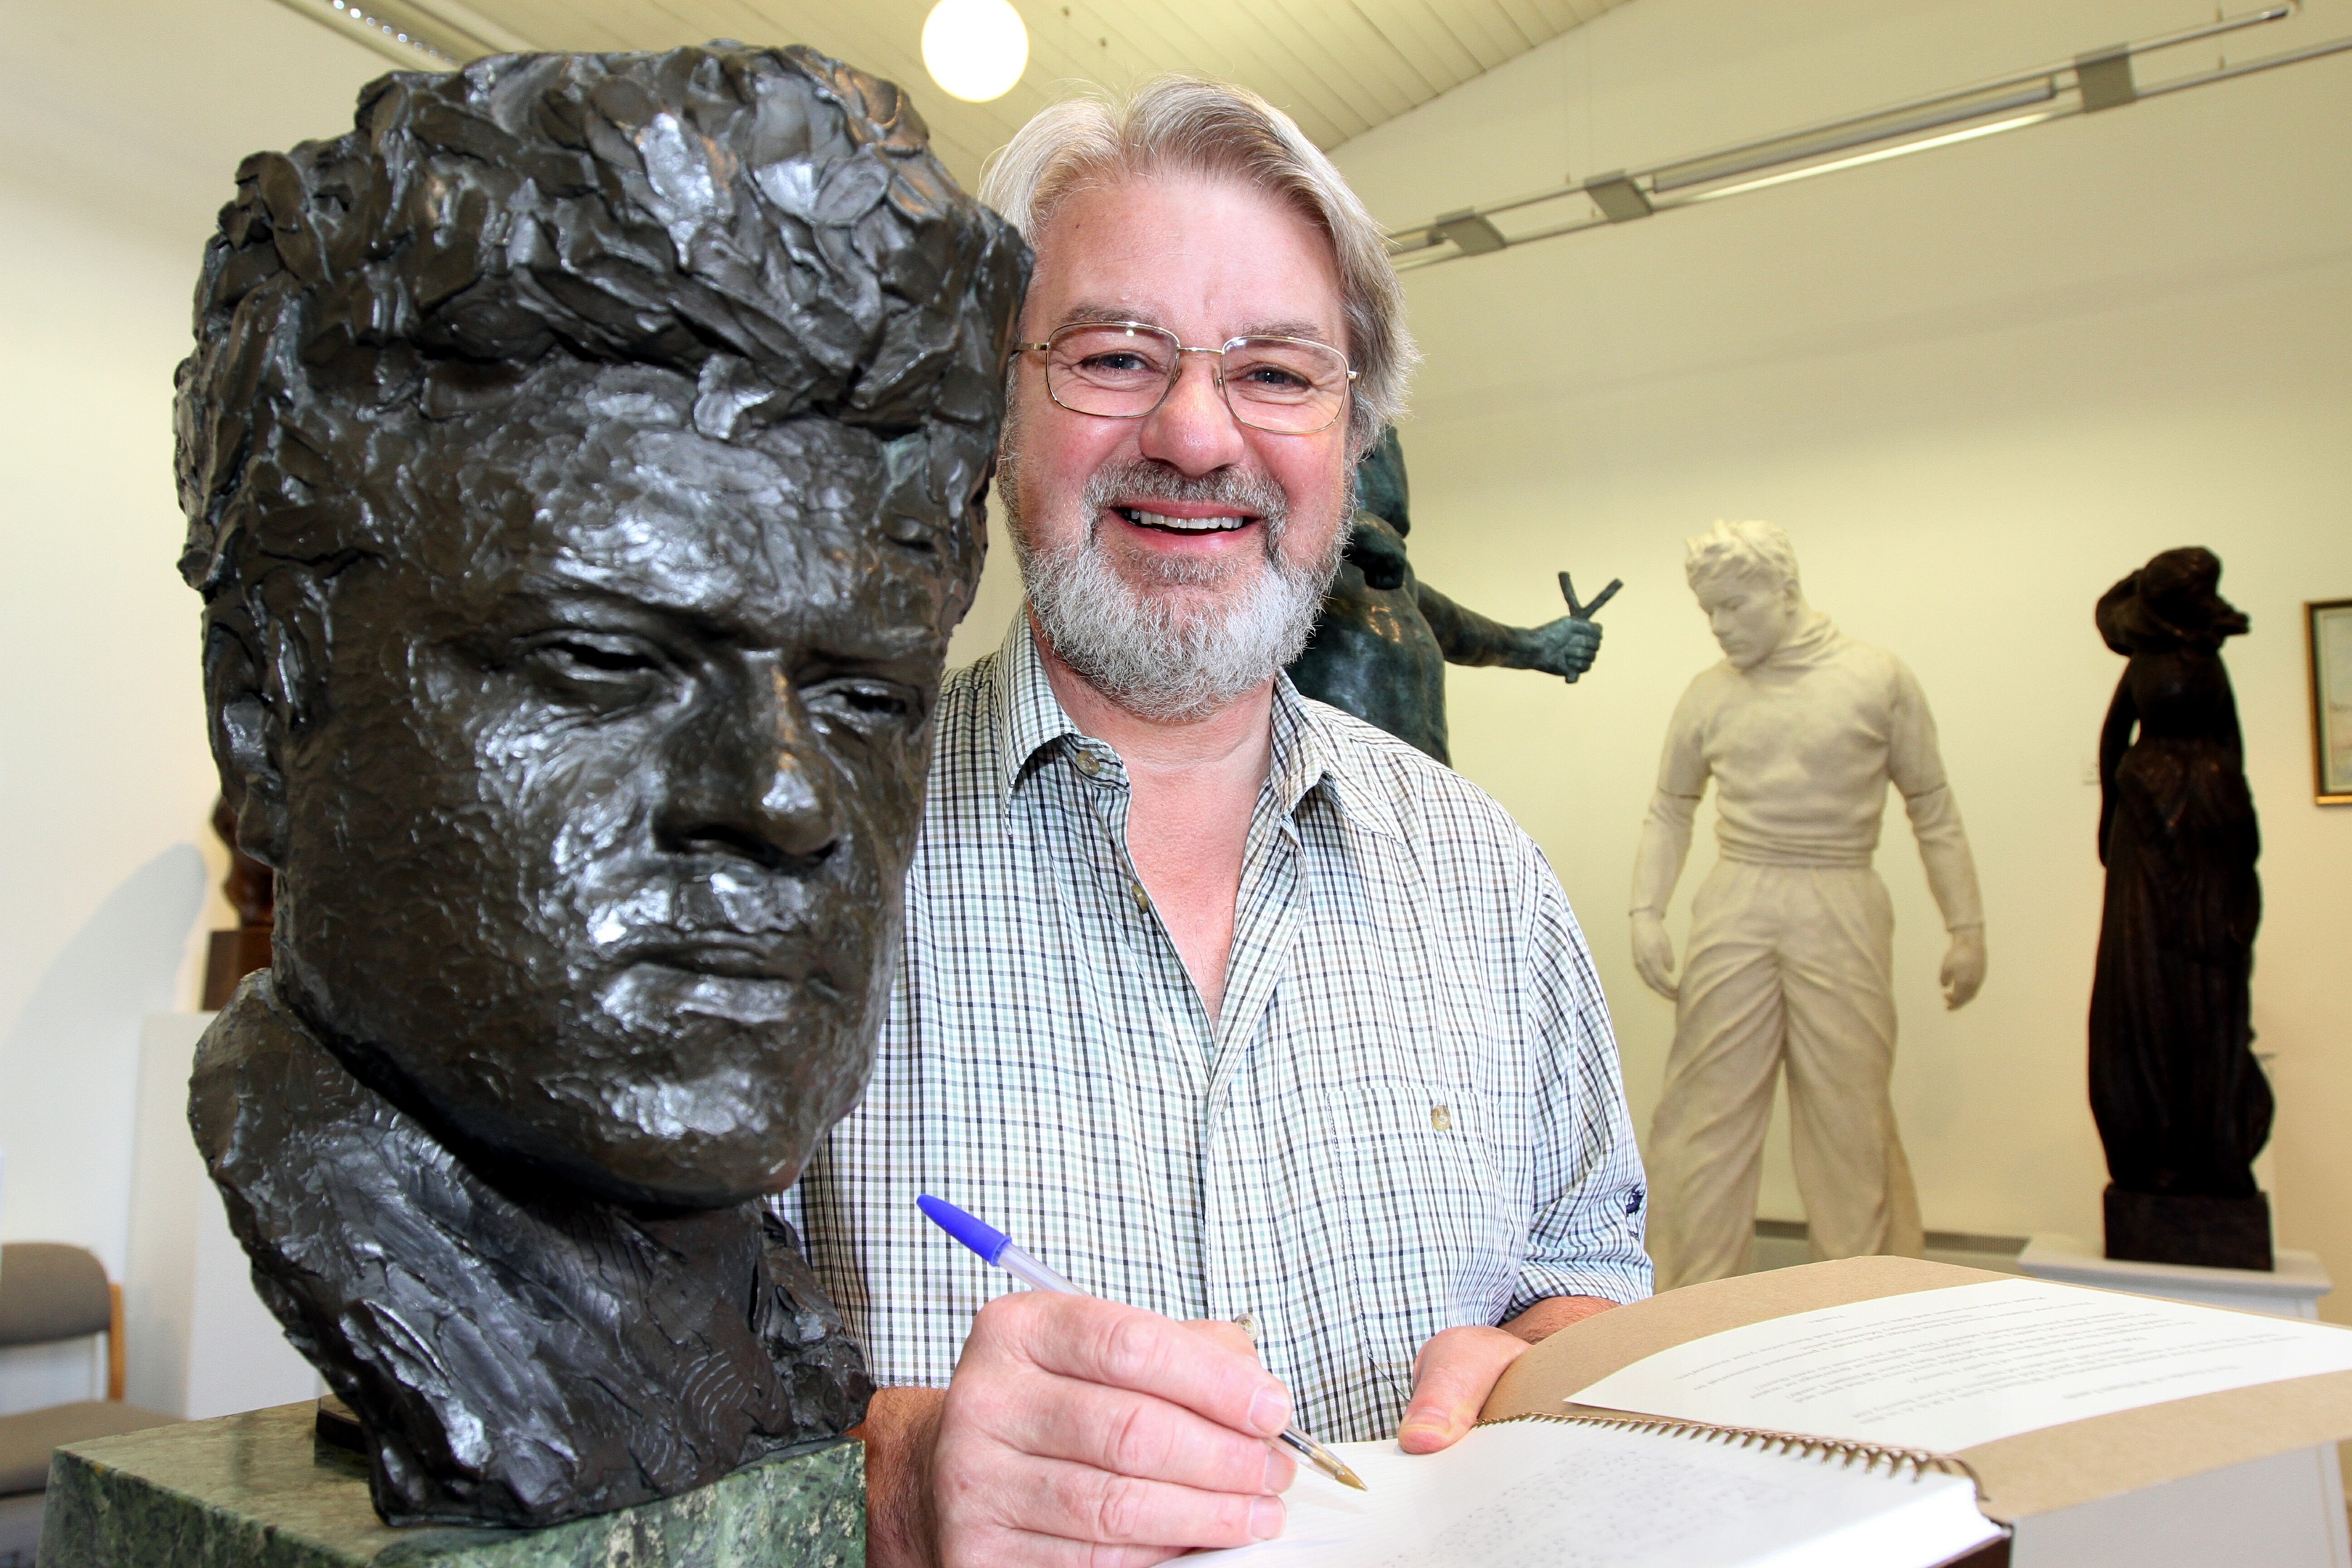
(1123, 370)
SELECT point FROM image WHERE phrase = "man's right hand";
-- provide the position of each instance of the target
(1654, 954)
(1080, 1431)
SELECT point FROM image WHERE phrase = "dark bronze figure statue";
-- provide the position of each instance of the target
(1382, 643)
(2182, 1106)
(584, 462)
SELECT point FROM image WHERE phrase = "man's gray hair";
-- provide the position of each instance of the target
(1741, 550)
(1198, 125)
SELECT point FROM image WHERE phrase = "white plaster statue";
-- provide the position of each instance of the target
(1791, 938)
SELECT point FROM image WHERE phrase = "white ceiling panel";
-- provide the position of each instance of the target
(1339, 67)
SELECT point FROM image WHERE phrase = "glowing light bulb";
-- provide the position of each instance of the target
(976, 49)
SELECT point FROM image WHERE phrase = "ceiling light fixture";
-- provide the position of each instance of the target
(975, 50)
(417, 35)
(2092, 82)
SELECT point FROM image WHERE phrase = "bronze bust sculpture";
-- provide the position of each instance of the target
(584, 462)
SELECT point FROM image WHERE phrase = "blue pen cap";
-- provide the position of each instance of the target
(978, 1235)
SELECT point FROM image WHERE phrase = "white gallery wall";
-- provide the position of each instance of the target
(1977, 386)
(121, 130)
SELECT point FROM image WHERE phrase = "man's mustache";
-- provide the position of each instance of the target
(1148, 478)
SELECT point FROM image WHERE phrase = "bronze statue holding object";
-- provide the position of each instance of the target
(584, 462)
(1382, 645)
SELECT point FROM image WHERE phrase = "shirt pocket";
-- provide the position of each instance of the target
(1436, 1198)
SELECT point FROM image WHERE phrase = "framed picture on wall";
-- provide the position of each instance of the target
(2328, 627)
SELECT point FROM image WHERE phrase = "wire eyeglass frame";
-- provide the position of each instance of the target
(1178, 348)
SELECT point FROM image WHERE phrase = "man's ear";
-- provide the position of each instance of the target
(247, 734)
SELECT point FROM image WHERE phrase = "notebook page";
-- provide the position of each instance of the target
(1549, 1494)
(1947, 1370)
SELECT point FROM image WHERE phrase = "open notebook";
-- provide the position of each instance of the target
(1537, 1492)
(1659, 1434)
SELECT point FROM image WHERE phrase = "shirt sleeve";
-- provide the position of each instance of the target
(1591, 1204)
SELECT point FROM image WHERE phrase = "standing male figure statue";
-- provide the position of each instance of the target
(1791, 963)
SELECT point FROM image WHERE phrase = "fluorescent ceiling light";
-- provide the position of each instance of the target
(417, 35)
(2016, 124)
(2090, 83)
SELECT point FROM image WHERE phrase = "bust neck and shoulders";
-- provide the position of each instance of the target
(639, 1354)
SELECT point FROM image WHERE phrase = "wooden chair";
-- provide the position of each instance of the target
(49, 1292)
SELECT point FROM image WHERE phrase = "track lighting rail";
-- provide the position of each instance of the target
(2094, 81)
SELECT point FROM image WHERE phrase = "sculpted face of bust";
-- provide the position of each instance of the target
(586, 857)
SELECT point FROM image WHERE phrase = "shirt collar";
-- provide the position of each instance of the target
(1309, 749)
(1314, 746)
(1029, 717)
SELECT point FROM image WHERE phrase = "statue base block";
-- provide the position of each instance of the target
(2211, 1233)
(262, 1490)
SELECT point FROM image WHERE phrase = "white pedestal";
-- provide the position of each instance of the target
(198, 1341)
(2284, 1511)
(2291, 1291)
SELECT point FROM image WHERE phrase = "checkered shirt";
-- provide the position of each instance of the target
(1407, 1117)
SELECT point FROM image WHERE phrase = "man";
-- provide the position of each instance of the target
(575, 608)
(1792, 946)
(1232, 1007)
(1384, 637)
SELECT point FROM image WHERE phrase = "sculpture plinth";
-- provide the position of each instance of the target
(2209, 1232)
(260, 1491)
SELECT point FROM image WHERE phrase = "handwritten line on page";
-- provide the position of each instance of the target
(1945, 1370)
(1554, 1494)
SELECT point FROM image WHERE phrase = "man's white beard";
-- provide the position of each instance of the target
(1153, 654)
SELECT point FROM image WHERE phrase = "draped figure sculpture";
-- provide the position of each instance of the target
(1791, 941)
(2182, 1106)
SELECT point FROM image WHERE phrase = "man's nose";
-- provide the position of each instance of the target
(1193, 430)
(754, 782)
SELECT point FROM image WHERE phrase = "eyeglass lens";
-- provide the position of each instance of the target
(1121, 372)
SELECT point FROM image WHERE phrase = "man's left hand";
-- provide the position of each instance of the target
(1565, 647)
(1458, 1368)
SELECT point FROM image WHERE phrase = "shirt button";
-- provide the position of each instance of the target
(1142, 898)
(1247, 1325)
(1086, 763)
(1440, 1119)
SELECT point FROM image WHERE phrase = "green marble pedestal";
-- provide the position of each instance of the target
(260, 1491)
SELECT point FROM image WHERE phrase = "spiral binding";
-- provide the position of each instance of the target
(1919, 1461)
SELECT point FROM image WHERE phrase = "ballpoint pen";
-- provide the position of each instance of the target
(997, 1248)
